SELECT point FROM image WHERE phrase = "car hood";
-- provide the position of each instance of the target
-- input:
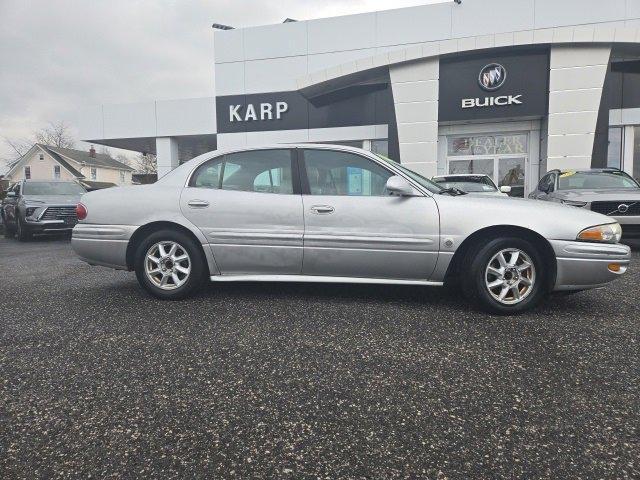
(52, 199)
(603, 195)
(463, 214)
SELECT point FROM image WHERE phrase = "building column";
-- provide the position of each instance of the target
(166, 155)
(415, 98)
(575, 91)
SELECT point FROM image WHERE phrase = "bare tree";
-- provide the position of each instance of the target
(146, 163)
(55, 134)
(17, 148)
(122, 158)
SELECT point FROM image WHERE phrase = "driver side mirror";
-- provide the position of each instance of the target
(505, 189)
(11, 194)
(396, 185)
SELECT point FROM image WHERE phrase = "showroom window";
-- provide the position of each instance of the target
(56, 172)
(636, 153)
(342, 173)
(500, 156)
(614, 151)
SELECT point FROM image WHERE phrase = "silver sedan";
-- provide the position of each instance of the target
(324, 213)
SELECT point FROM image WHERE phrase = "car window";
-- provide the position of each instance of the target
(264, 171)
(468, 186)
(52, 188)
(332, 172)
(547, 180)
(595, 180)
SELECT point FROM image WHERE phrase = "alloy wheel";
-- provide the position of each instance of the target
(510, 276)
(167, 265)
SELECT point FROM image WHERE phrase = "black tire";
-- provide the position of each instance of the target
(23, 234)
(196, 258)
(474, 282)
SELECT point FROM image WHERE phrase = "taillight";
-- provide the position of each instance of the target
(81, 211)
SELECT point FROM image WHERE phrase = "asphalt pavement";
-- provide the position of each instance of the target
(307, 381)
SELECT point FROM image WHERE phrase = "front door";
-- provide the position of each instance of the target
(246, 206)
(354, 228)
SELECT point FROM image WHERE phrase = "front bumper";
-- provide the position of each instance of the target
(47, 226)
(104, 245)
(584, 265)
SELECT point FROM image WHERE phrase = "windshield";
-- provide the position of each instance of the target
(467, 186)
(595, 180)
(416, 177)
(52, 188)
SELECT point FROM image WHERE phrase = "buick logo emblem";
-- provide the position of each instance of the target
(492, 77)
(623, 208)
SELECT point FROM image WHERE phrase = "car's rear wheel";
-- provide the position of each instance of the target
(505, 275)
(169, 265)
(22, 232)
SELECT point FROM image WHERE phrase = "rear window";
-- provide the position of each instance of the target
(595, 180)
(52, 188)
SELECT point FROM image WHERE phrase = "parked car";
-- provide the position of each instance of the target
(481, 184)
(607, 191)
(35, 206)
(325, 213)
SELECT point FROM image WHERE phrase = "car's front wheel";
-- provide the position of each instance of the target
(169, 265)
(505, 275)
(22, 232)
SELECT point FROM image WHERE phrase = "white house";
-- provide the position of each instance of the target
(44, 162)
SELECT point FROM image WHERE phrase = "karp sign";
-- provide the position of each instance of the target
(261, 111)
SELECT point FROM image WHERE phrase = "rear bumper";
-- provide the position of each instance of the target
(104, 245)
(582, 265)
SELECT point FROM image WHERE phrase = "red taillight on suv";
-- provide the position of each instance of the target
(81, 211)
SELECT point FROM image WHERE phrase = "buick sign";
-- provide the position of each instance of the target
(492, 77)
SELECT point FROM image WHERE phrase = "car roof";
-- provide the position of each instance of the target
(589, 170)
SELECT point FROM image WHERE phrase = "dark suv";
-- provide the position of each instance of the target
(604, 190)
(33, 206)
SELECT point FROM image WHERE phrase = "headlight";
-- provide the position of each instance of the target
(574, 203)
(609, 233)
(29, 211)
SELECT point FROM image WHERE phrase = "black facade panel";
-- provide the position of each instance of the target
(525, 86)
(365, 106)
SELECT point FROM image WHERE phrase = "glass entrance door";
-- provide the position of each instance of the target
(503, 157)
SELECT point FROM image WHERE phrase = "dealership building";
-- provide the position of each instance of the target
(508, 88)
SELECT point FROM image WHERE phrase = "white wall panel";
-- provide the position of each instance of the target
(281, 40)
(229, 78)
(571, 145)
(275, 74)
(573, 122)
(228, 45)
(350, 32)
(409, 25)
(322, 61)
(417, 132)
(362, 132)
(577, 77)
(277, 136)
(553, 13)
(416, 112)
(192, 116)
(90, 123)
(130, 120)
(475, 17)
(415, 91)
(231, 140)
(574, 100)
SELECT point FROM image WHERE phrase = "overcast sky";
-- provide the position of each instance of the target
(58, 55)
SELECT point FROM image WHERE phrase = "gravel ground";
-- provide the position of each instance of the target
(308, 381)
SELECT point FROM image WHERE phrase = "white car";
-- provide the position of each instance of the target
(471, 183)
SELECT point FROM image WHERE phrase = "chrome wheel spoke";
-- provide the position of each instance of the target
(495, 283)
(514, 258)
(494, 271)
(180, 258)
(501, 260)
(524, 266)
(181, 269)
(153, 259)
(172, 250)
(503, 292)
(516, 292)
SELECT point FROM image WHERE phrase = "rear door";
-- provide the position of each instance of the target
(354, 228)
(249, 207)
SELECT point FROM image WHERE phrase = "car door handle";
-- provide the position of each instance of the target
(198, 203)
(322, 209)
